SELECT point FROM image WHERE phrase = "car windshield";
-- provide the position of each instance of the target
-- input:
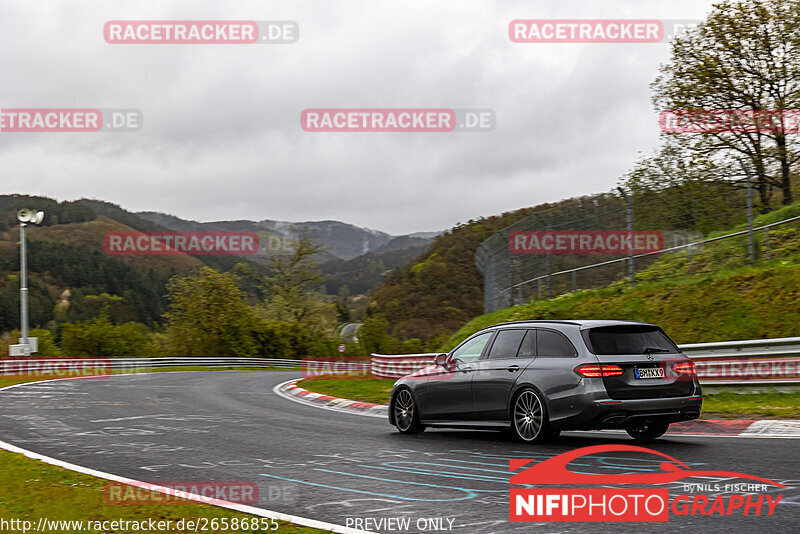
(628, 339)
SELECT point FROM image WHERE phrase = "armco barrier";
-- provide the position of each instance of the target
(134, 365)
(395, 366)
(749, 362)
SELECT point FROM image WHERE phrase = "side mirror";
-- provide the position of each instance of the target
(439, 360)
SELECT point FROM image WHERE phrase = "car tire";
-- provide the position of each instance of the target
(529, 419)
(648, 431)
(406, 414)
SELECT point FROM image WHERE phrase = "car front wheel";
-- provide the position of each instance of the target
(406, 415)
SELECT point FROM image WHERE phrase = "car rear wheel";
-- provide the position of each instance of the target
(529, 421)
(406, 415)
(647, 431)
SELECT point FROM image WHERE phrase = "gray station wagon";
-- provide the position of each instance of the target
(537, 378)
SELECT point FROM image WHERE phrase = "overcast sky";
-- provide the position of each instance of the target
(222, 136)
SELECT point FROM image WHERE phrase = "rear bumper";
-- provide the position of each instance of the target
(611, 413)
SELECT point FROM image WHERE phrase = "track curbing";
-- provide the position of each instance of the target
(715, 428)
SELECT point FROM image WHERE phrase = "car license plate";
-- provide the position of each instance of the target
(650, 372)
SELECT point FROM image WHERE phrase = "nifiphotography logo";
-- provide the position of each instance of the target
(640, 504)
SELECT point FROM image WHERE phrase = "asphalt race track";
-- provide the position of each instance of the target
(324, 465)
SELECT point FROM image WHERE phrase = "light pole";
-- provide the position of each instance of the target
(25, 217)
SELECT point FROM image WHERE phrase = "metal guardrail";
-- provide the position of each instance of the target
(749, 362)
(396, 366)
(142, 364)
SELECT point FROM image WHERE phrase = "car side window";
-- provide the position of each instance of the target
(506, 344)
(552, 344)
(528, 347)
(472, 349)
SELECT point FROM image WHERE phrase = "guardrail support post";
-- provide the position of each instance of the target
(547, 260)
(766, 244)
(629, 220)
(751, 248)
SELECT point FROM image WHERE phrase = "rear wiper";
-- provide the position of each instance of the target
(648, 350)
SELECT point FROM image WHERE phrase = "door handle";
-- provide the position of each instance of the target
(466, 369)
(512, 368)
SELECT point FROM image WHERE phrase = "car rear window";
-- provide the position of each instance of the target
(506, 344)
(628, 339)
(551, 344)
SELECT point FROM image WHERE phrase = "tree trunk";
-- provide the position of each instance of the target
(762, 183)
(786, 180)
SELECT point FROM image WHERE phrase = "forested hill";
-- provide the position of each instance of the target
(443, 289)
(71, 278)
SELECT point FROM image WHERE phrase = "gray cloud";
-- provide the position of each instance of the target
(222, 138)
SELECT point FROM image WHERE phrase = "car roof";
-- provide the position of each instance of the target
(582, 323)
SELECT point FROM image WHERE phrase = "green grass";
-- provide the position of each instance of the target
(769, 404)
(375, 390)
(718, 297)
(745, 303)
(34, 489)
(724, 405)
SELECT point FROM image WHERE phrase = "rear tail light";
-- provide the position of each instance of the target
(685, 368)
(594, 370)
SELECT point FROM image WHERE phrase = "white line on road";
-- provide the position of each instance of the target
(252, 510)
(114, 420)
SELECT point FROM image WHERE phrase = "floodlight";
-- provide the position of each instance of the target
(26, 215)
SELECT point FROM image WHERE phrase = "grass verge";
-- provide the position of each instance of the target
(375, 390)
(770, 404)
(34, 490)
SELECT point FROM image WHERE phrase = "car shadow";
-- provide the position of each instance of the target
(566, 441)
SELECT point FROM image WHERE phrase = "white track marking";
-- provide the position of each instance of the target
(252, 510)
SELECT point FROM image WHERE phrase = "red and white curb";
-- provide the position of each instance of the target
(290, 390)
(714, 428)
